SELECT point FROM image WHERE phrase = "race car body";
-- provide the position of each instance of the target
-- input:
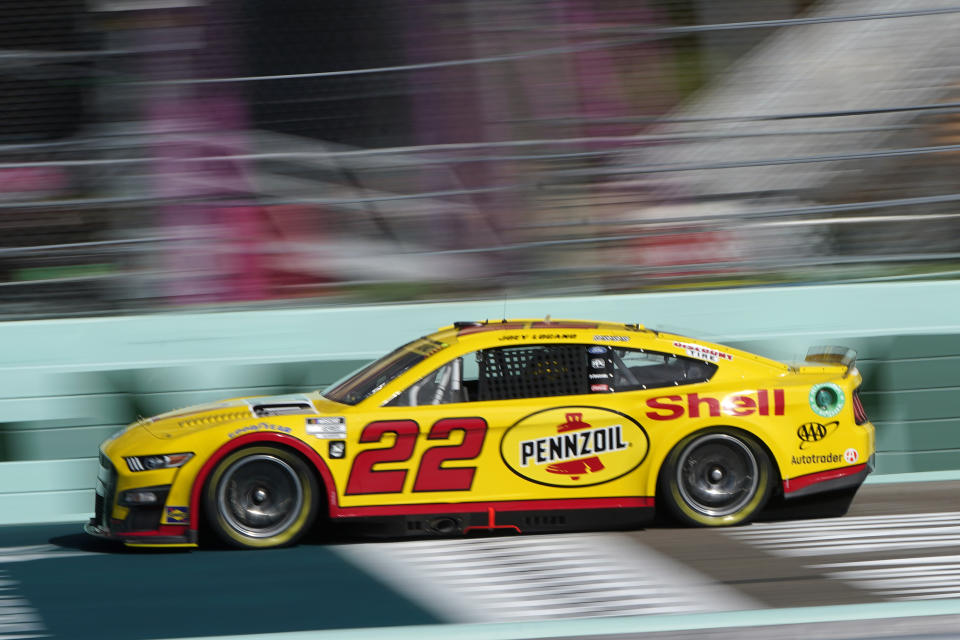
(524, 425)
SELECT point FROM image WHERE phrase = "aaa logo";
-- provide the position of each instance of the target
(811, 432)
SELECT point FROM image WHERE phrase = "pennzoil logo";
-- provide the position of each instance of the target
(574, 446)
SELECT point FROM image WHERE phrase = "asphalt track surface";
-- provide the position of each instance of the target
(899, 542)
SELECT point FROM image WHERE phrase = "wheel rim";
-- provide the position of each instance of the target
(717, 475)
(260, 496)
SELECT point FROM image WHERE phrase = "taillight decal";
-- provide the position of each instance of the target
(859, 415)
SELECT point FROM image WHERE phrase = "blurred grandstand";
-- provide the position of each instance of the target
(159, 154)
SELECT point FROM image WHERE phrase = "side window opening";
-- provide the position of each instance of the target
(637, 369)
(532, 371)
(442, 386)
(547, 370)
(504, 373)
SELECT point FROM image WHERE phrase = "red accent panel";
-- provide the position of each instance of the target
(795, 484)
(162, 530)
(432, 475)
(252, 438)
(500, 326)
(492, 523)
(509, 505)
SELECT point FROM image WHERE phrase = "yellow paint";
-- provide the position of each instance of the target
(762, 397)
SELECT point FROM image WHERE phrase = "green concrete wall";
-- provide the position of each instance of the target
(65, 385)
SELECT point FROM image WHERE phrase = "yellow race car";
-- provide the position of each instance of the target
(516, 425)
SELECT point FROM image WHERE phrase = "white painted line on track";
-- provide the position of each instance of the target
(890, 561)
(901, 577)
(38, 552)
(831, 536)
(850, 522)
(541, 578)
(17, 618)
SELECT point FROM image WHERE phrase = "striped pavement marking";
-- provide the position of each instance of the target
(38, 552)
(900, 576)
(864, 534)
(17, 618)
(544, 577)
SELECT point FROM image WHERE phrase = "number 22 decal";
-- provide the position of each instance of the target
(431, 474)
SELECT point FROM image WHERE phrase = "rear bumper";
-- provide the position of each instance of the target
(830, 480)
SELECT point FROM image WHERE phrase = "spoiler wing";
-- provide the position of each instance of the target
(833, 355)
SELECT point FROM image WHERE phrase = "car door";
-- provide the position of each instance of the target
(514, 423)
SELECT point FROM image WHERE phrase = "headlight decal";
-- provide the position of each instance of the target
(162, 461)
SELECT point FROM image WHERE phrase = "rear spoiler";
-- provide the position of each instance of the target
(833, 355)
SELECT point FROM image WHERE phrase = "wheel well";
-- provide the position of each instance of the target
(774, 467)
(323, 506)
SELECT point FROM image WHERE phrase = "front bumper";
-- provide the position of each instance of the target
(141, 526)
(166, 535)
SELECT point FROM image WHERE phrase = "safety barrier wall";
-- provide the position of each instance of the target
(65, 385)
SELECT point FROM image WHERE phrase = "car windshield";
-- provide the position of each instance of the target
(368, 380)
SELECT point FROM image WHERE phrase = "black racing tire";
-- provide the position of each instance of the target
(261, 497)
(716, 478)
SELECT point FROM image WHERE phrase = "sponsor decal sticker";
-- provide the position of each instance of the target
(599, 387)
(850, 456)
(337, 449)
(595, 350)
(260, 426)
(178, 514)
(762, 402)
(611, 338)
(574, 446)
(811, 432)
(601, 376)
(327, 427)
(826, 399)
(703, 353)
(826, 458)
(598, 363)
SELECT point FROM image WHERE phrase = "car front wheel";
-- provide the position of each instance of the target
(261, 497)
(716, 478)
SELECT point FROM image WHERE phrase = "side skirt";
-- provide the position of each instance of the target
(492, 521)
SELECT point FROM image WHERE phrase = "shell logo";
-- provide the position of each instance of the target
(574, 446)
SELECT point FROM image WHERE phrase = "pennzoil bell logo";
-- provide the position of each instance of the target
(812, 432)
(574, 446)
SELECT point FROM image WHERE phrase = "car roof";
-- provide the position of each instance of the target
(470, 327)
(598, 331)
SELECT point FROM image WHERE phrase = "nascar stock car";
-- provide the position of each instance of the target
(514, 426)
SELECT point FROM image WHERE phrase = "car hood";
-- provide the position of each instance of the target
(191, 419)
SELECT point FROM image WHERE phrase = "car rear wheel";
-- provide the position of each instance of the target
(716, 478)
(261, 497)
